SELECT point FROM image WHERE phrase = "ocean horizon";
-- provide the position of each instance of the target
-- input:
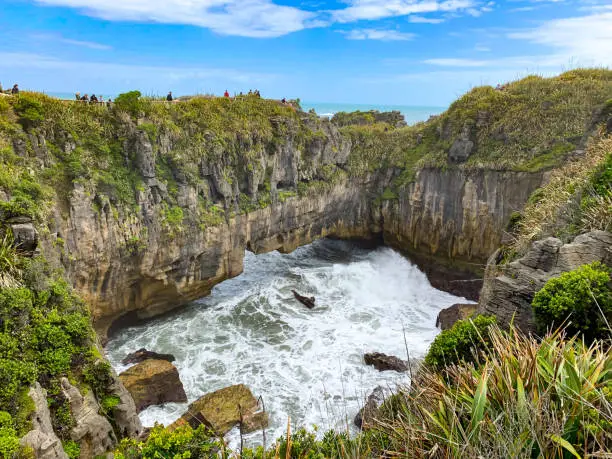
(412, 113)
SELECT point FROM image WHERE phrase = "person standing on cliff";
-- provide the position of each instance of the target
(226, 94)
(15, 90)
(169, 97)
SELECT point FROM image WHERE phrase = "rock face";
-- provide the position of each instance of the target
(131, 260)
(447, 317)
(366, 417)
(153, 382)
(92, 431)
(384, 362)
(42, 438)
(509, 289)
(142, 354)
(125, 413)
(223, 409)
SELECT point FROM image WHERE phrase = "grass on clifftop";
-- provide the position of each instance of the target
(526, 125)
(576, 199)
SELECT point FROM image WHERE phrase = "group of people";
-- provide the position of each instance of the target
(14, 91)
(93, 99)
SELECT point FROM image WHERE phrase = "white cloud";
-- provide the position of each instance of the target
(69, 41)
(586, 39)
(482, 48)
(379, 9)
(126, 72)
(423, 20)
(249, 18)
(455, 62)
(377, 34)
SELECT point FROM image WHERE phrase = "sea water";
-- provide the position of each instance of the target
(306, 364)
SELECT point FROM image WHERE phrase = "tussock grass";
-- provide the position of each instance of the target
(543, 212)
(10, 272)
(527, 398)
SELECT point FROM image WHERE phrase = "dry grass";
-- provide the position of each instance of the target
(559, 196)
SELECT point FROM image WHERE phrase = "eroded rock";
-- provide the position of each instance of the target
(92, 431)
(509, 289)
(384, 362)
(153, 382)
(42, 438)
(447, 317)
(223, 409)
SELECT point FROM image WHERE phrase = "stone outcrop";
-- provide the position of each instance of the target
(447, 317)
(42, 439)
(92, 431)
(223, 409)
(384, 362)
(509, 289)
(153, 382)
(124, 413)
(142, 354)
(366, 416)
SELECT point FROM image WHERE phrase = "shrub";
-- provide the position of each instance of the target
(460, 343)
(72, 449)
(129, 102)
(30, 110)
(583, 297)
(182, 442)
(9, 442)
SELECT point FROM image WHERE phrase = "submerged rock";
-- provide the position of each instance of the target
(384, 362)
(153, 382)
(367, 415)
(460, 311)
(42, 439)
(223, 409)
(142, 354)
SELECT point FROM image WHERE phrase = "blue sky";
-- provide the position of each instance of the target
(411, 52)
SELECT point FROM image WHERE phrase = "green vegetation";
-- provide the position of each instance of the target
(463, 342)
(579, 300)
(184, 442)
(577, 198)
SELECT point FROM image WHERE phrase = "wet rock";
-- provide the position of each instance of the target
(447, 317)
(384, 362)
(366, 417)
(153, 382)
(92, 431)
(142, 354)
(42, 438)
(254, 421)
(223, 409)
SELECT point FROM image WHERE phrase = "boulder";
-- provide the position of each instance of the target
(42, 438)
(223, 409)
(153, 382)
(384, 362)
(367, 415)
(462, 147)
(92, 431)
(142, 354)
(25, 237)
(460, 311)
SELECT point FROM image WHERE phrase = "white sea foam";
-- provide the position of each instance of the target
(306, 364)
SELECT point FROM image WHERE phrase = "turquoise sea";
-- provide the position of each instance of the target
(412, 114)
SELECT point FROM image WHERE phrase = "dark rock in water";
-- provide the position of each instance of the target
(384, 362)
(153, 382)
(309, 302)
(367, 415)
(142, 354)
(447, 317)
